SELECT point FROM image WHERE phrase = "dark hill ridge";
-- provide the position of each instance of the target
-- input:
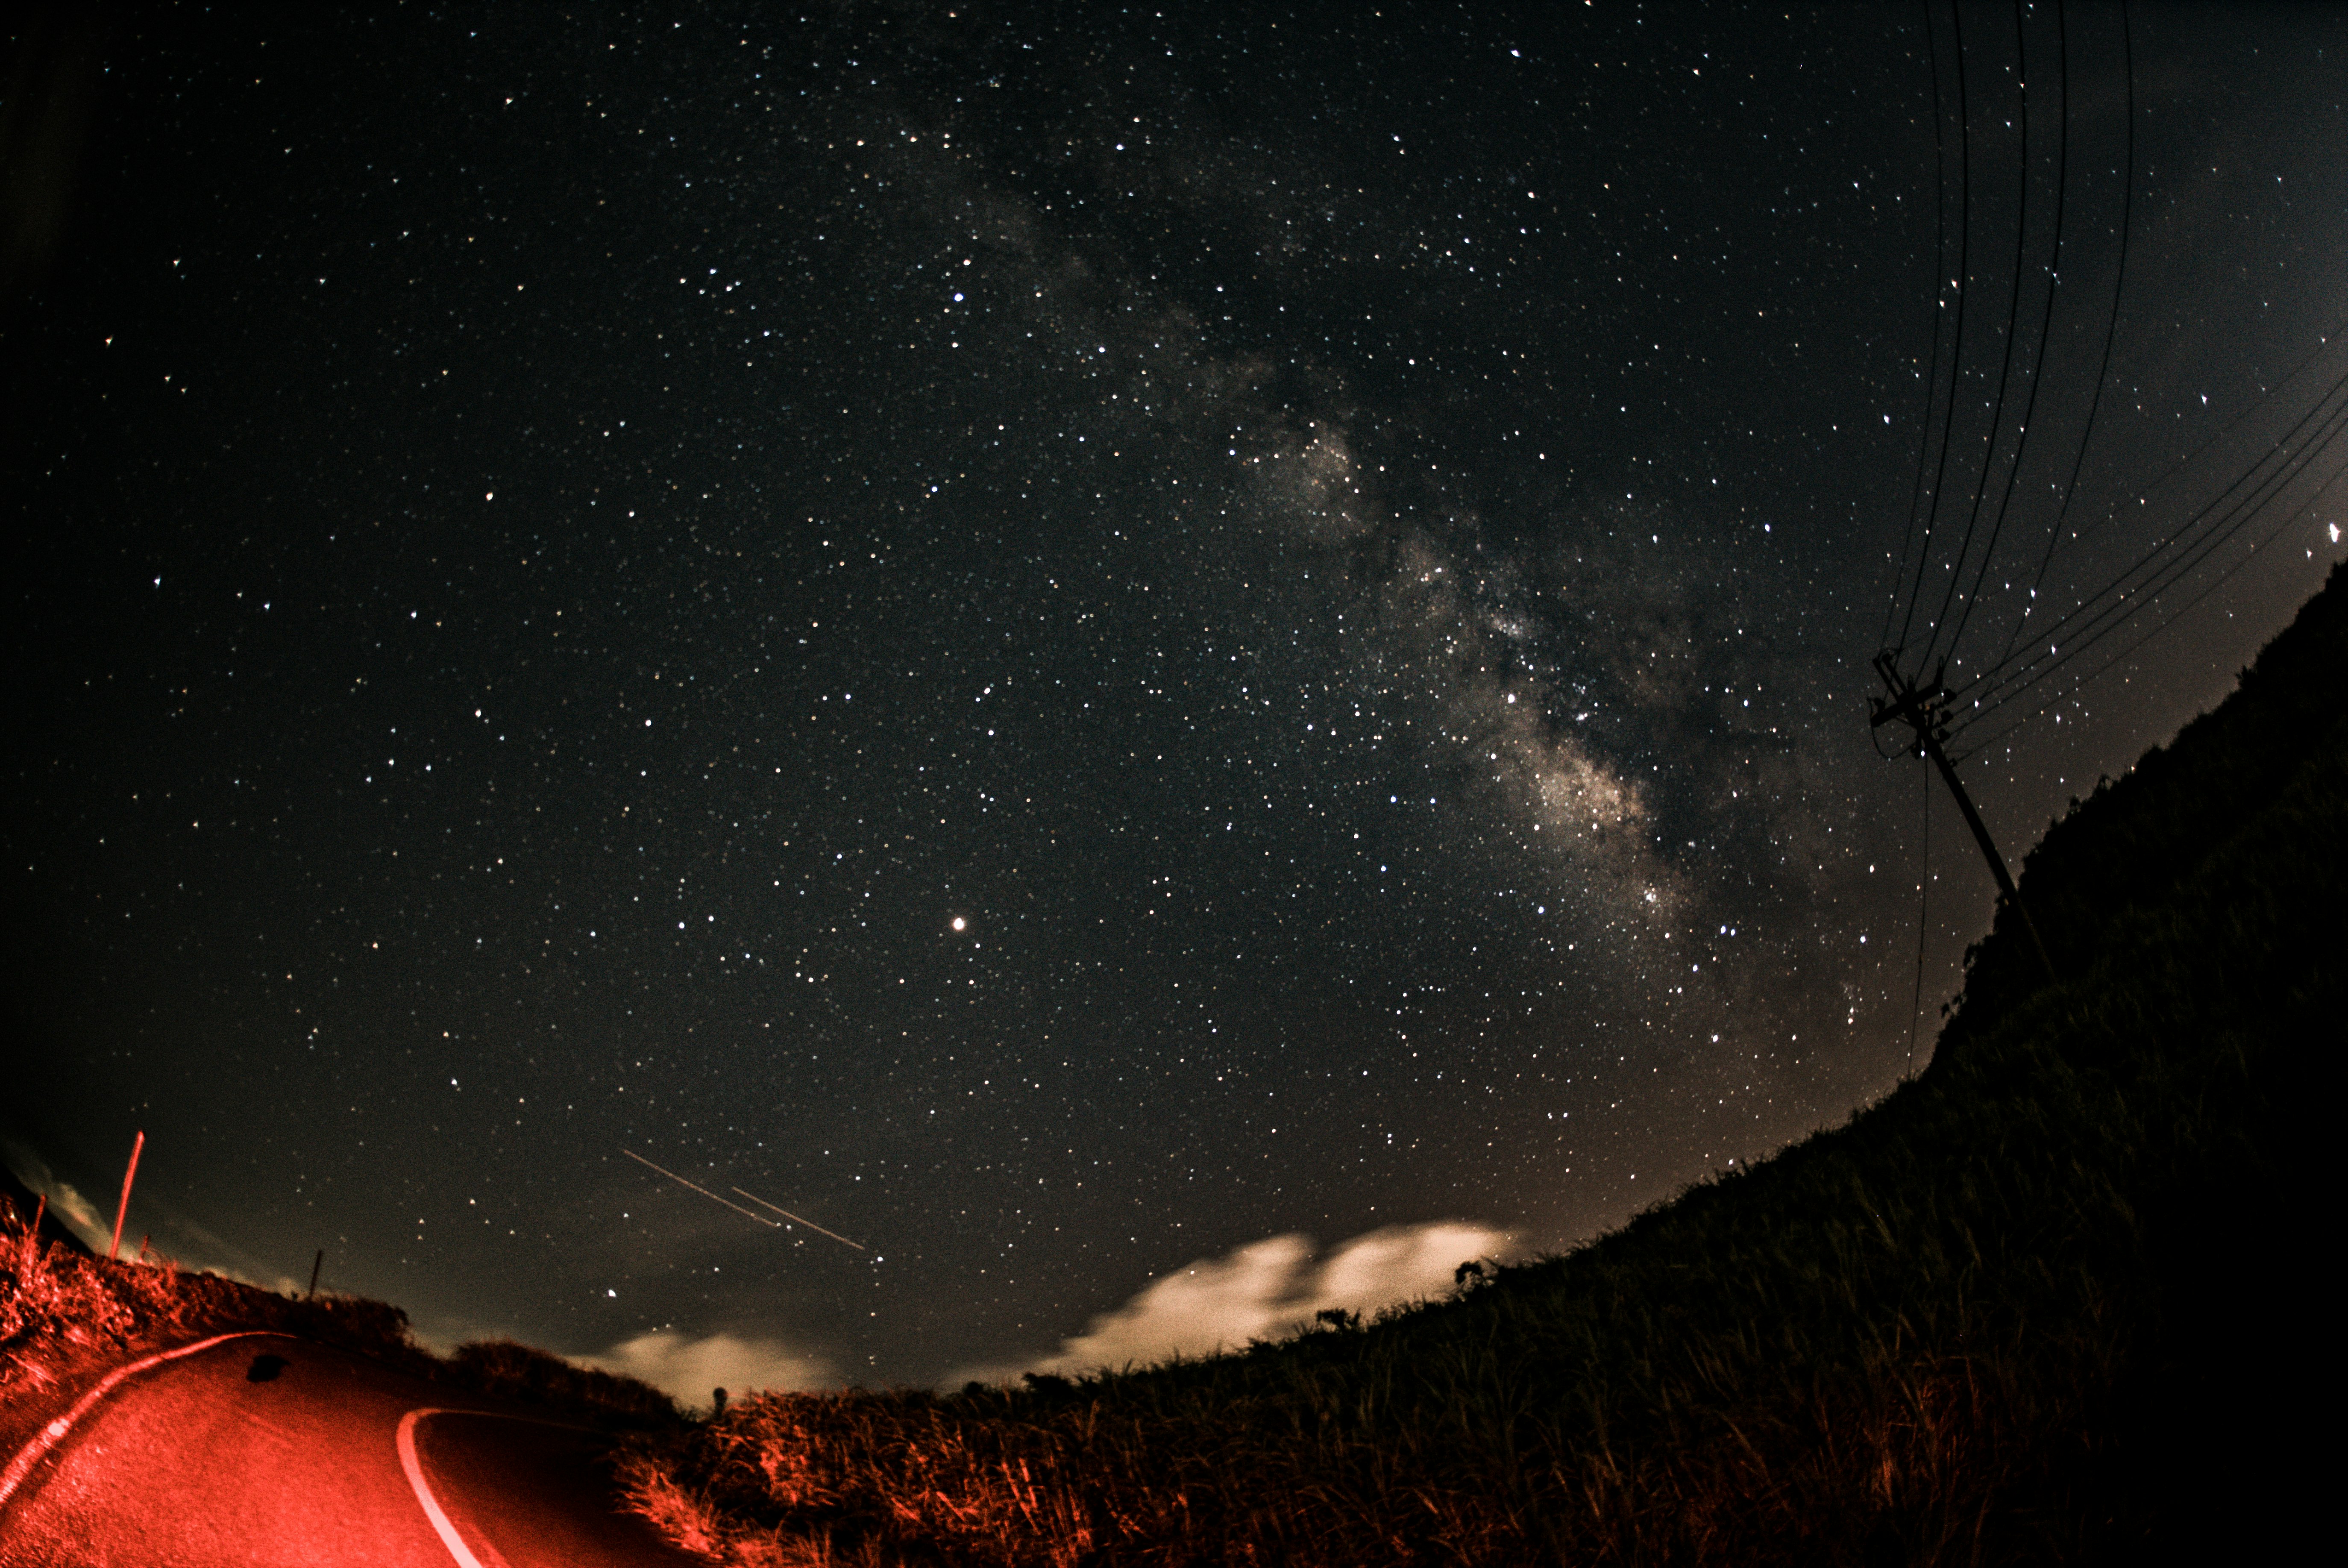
(2132, 843)
(2051, 1302)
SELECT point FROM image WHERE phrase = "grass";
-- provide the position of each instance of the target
(66, 1318)
(2053, 1301)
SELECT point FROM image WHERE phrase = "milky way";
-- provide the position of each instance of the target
(1066, 640)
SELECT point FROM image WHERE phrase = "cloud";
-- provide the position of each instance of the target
(81, 1216)
(94, 1225)
(1265, 1290)
(689, 1369)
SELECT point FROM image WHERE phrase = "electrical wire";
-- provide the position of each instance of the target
(1939, 309)
(2046, 317)
(1991, 687)
(2323, 341)
(2005, 367)
(2002, 672)
(2152, 591)
(1957, 352)
(2336, 426)
(2120, 611)
(2090, 605)
(2294, 515)
(2111, 324)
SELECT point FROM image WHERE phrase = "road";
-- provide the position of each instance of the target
(265, 1450)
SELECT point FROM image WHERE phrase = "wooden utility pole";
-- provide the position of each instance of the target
(1919, 709)
(114, 1248)
(314, 1267)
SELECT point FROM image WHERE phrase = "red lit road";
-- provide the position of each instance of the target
(264, 1450)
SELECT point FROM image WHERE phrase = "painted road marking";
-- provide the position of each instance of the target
(414, 1465)
(412, 1462)
(54, 1433)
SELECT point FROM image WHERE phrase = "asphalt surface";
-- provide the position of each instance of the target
(267, 1451)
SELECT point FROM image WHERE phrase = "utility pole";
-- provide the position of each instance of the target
(1919, 709)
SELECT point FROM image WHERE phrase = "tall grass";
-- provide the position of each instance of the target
(2037, 1305)
(61, 1308)
(66, 1316)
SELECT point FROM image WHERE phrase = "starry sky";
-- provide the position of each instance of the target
(1065, 638)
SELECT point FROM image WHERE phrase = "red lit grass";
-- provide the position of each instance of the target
(62, 1309)
(67, 1317)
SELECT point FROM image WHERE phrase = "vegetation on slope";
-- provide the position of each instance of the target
(2048, 1303)
(67, 1317)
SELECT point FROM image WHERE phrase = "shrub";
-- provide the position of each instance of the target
(521, 1372)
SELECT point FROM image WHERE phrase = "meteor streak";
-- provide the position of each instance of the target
(707, 1193)
(810, 1225)
(786, 1213)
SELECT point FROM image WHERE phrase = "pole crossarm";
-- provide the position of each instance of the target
(1920, 708)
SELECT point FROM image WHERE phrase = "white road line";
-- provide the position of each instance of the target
(412, 1463)
(54, 1433)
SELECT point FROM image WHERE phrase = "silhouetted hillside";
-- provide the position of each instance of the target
(2051, 1302)
(2137, 837)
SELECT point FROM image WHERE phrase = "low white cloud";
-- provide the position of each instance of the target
(689, 1369)
(1267, 1290)
(80, 1215)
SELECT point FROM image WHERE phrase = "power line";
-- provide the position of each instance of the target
(1939, 309)
(2101, 616)
(2088, 607)
(2111, 324)
(1957, 352)
(2324, 341)
(2005, 365)
(1920, 700)
(2120, 611)
(2272, 534)
(2046, 317)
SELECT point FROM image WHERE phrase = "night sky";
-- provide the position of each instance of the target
(1070, 640)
